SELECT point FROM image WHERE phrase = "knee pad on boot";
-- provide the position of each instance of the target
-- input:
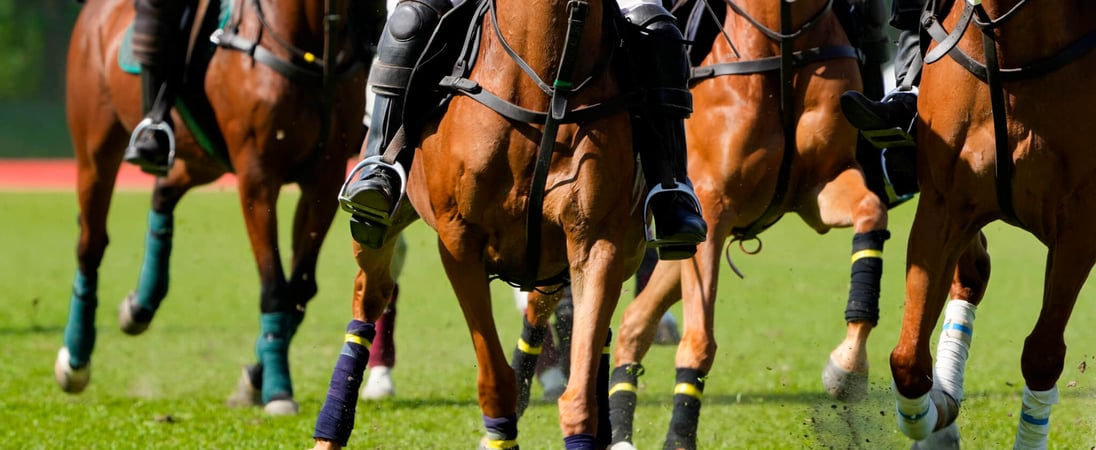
(657, 51)
(402, 42)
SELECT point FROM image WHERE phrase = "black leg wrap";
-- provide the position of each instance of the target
(867, 269)
(524, 361)
(623, 383)
(565, 319)
(688, 393)
(604, 422)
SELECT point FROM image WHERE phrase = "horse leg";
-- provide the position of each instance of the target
(697, 349)
(638, 326)
(1069, 262)
(935, 243)
(98, 142)
(496, 383)
(967, 289)
(382, 355)
(846, 201)
(584, 406)
(138, 308)
(526, 355)
(281, 314)
(374, 285)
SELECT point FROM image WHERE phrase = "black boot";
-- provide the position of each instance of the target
(152, 144)
(896, 110)
(372, 192)
(657, 53)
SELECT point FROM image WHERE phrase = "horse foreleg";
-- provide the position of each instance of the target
(374, 285)
(463, 262)
(934, 246)
(584, 405)
(638, 326)
(1069, 261)
(967, 289)
(281, 315)
(97, 167)
(846, 201)
(697, 349)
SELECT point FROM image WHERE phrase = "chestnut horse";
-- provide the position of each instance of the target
(470, 181)
(767, 137)
(280, 120)
(998, 141)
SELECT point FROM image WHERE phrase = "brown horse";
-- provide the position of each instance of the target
(276, 126)
(996, 143)
(739, 137)
(470, 181)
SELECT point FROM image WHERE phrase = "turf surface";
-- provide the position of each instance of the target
(166, 389)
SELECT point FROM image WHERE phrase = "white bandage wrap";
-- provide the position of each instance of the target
(1035, 418)
(954, 347)
(916, 416)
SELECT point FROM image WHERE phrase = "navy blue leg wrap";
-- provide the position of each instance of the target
(152, 286)
(580, 442)
(80, 329)
(688, 394)
(867, 269)
(336, 419)
(502, 432)
(524, 361)
(622, 400)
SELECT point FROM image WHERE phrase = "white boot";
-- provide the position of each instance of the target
(379, 385)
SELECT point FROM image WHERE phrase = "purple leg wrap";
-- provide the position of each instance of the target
(336, 419)
(580, 442)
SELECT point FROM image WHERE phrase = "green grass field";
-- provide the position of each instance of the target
(166, 389)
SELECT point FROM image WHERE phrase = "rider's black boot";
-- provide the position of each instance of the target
(373, 189)
(658, 129)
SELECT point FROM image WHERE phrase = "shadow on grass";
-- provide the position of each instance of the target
(32, 330)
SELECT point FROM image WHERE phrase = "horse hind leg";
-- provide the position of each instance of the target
(845, 201)
(1069, 262)
(138, 308)
(535, 339)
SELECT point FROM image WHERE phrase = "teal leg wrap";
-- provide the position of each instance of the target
(272, 349)
(80, 329)
(152, 286)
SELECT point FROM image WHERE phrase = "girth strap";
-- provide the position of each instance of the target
(771, 63)
(473, 90)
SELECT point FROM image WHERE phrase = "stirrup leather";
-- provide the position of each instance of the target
(684, 188)
(373, 215)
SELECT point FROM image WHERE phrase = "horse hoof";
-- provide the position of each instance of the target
(72, 381)
(128, 316)
(379, 385)
(622, 445)
(844, 385)
(246, 393)
(282, 407)
(946, 438)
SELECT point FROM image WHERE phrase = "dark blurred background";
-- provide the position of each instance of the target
(34, 37)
